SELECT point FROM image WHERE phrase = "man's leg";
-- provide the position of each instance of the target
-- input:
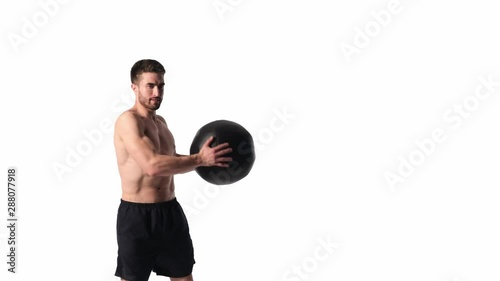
(136, 252)
(187, 278)
(175, 251)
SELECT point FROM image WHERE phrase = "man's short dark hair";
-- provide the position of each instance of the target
(146, 65)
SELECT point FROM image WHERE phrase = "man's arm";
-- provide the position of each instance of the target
(141, 149)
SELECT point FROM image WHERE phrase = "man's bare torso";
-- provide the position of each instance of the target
(137, 186)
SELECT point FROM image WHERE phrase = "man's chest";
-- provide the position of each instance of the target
(161, 137)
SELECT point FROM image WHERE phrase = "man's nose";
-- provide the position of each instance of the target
(156, 91)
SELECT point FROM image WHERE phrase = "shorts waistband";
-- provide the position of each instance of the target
(148, 205)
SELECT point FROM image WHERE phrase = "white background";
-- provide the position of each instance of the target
(328, 126)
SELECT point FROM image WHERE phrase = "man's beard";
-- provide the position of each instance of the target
(151, 104)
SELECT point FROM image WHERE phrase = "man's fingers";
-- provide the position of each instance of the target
(224, 159)
(218, 147)
(222, 146)
(223, 162)
(218, 151)
(223, 151)
(208, 141)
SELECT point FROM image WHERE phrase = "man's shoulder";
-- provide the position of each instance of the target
(128, 115)
(161, 119)
(128, 118)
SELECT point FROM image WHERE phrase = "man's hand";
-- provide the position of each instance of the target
(212, 156)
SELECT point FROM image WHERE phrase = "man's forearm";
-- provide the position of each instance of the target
(163, 165)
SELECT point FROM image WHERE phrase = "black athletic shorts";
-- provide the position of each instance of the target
(153, 237)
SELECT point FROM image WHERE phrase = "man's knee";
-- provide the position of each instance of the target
(187, 278)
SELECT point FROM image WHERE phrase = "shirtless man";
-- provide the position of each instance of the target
(152, 230)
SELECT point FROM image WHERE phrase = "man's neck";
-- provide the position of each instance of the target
(151, 114)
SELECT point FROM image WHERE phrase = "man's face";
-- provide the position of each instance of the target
(150, 90)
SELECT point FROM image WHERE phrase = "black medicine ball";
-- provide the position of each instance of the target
(239, 140)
